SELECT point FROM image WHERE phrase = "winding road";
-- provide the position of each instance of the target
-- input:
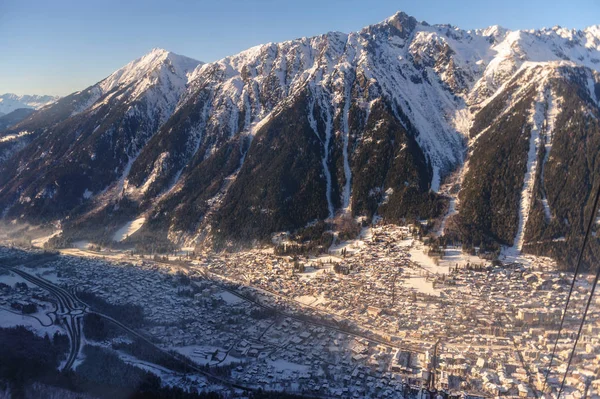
(69, 309)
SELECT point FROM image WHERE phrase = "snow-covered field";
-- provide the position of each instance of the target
(40, 241)
(326, 259)
(306, 299)
(421, 285)
(529, 261)
(11, 279)
(352, 246)
(312, 272)
(284, 365)
(204, 354)
(128, 229)
(81, 244)
(10, 319)
(229, 298)
(418, 255)
(47, 273)
(455, 256)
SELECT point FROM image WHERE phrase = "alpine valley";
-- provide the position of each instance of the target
(488, 137)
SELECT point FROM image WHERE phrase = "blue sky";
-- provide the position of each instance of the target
(59, 46)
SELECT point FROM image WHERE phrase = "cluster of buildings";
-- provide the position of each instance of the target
(370, 319)
(507, 314)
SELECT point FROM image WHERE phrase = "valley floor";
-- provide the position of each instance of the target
(362, 331)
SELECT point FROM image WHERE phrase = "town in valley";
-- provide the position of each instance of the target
(381, 315)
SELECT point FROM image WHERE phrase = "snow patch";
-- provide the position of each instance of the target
(422, 285)
(229, 298)
(128, 229)
(326, 115)
(553, 109)
(12, 137)
(41, 241)
(536, 120)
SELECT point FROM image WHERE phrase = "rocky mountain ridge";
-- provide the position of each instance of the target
(372, 123)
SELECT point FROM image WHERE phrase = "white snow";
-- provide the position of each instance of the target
(431, 91)
(345, 133)
(12, 137)
(87, 194)
(541, 122)
(128, 229)
(451, 211)
(10, 102)
(422, 285)
(591, 87)
(554, 107)
(10, 319)
(81, 244)
(158, 167)
(281, 364)
(418, 256)
(11, 279)
(326, 115)
(436, 101)
(40, 241)
(529, 180)
(149, 68)
(306, 299)
(203, 354)
(229, 298)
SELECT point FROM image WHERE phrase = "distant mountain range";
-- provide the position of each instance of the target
(10, 102)
(491, 134)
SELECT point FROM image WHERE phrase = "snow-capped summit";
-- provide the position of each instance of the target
(102, 128)
(400, 20)
(150, 67)
(497, 32)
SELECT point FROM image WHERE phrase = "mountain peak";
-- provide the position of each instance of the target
(156, 59)
(158, 51)
(398, 24)
(399, 16)
(401, 20)
(593, 30)
(497, 32)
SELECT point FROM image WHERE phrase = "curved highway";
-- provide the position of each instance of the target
(69, 309)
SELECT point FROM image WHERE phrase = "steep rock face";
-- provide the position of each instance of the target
(342, 76)
(226, 98)
(281, 184)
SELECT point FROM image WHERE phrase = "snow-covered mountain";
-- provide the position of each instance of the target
(394, 120)
(10, 102)
(64, 154)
